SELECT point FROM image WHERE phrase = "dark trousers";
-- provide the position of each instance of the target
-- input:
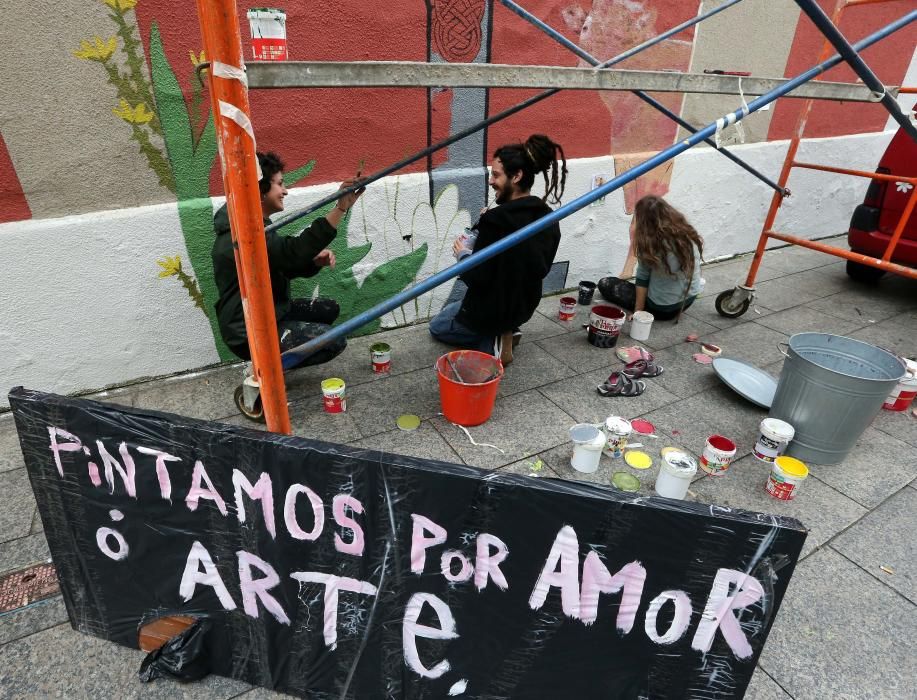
(624, 294)
(306, 319)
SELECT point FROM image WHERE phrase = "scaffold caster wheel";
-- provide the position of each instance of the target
(727, 306)
(865, 274)
(255, 413)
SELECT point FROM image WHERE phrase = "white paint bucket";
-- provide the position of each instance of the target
(640, 325)
(269, 34)
(775, 436)
(333, 395)
(588, 442)
(718, 454)
(786, 475)
(675, 475)
(617, 430)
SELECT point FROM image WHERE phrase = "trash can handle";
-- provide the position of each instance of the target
(781, 346)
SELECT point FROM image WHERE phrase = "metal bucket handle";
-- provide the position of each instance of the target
(781, 346)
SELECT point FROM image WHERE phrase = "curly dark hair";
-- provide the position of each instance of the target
(270, 165)
(660, 229)
(538, 154)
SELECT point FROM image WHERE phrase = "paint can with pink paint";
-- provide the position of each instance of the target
(785, 478)
(774, 437)
(718, 455)
(617, 431)
(381, 356)
(605, 323)
(269, 33)
(567, 309)
(334, 396)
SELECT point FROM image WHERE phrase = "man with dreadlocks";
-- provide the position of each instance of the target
(504, 292)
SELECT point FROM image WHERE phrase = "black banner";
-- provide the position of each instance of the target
(332, 572)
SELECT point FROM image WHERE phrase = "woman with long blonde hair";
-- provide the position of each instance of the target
(669, 252)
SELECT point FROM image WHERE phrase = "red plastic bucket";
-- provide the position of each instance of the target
(468, 383)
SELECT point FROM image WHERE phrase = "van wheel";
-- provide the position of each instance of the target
(865, 274)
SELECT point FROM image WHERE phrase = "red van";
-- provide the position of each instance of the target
(874, 221)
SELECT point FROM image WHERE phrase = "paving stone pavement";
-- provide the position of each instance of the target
(847, 626)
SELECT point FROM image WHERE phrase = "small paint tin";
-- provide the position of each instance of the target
(585, 291)
(711, 350)
(786, 475)
(617, 430)
(904, 392)
(638, 459)
(567, 309)
(675, 474)
(333, 394)
(718, 454)
(775, 436)
(381, 356)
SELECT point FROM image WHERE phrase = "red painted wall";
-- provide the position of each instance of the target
(337, 128)
(13, 204)
(889, 59)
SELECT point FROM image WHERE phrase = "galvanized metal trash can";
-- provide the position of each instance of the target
(830, 390)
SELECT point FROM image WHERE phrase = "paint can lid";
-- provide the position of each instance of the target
(618, 425)
(792, 467)
(585, 434)
(625, 481)
(333, 384)
(777, 429)
(638, 459)
(642, 426)
(408, 422)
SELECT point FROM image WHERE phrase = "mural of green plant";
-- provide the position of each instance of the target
(156, 110)
(171, 267)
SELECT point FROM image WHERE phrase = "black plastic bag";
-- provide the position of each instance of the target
(184, 658)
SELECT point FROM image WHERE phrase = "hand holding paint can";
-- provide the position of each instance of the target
(465, 243)
(381, 356)
(567, 309)
(718, 455)
(617, 431)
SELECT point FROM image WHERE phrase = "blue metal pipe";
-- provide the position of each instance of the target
(592, 60)
(283, 221)
(853, 59)
(295, 355)
(527, 16)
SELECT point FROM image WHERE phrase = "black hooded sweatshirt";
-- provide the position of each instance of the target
(504, 291)
(288, 257)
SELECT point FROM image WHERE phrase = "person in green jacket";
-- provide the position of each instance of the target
(289, 257)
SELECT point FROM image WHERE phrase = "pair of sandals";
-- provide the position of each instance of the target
(628, 382)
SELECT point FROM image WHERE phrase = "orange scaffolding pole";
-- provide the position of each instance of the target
(229, 102)
(790, 162)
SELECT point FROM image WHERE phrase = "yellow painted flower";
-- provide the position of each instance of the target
(121, 5)
(170, 266)
(197, 60)
(133, 115)
(100, 50)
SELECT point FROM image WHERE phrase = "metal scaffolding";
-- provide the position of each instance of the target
(229, 84)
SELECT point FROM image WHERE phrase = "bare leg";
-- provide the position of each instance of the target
(628, 270)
